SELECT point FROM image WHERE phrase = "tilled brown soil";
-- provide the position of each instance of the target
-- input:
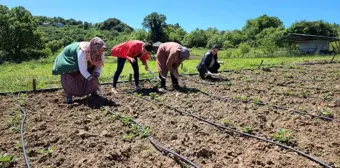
(84, 135)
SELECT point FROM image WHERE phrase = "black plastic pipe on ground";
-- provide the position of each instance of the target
(235, 131)
(159, 147)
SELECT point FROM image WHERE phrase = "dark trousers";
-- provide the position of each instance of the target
(173, 79)
(120, 66)
(213, 69)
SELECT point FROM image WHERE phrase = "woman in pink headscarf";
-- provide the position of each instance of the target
(80, 65)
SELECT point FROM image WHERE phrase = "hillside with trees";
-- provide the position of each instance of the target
(25, 37)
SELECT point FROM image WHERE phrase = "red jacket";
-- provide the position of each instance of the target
(131, 48)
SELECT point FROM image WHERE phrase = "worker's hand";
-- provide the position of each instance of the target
(221, 62)
(132, 60)
(207, 74)
(146, 67)
(96, 75)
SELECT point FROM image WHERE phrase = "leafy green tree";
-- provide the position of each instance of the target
(174, 33)
(19, 39)
(255, 26)
(140, 34)
(227, 44)
(215, 39)
(314, 28)
(235, 37)
(114, 24)
(270, 39)
(86, 25)
(196, 38)
(155, 23)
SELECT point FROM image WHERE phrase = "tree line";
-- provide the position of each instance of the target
(25, 37)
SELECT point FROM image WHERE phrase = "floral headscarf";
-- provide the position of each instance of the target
(90, 49)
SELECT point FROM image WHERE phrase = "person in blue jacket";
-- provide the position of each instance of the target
(209, 63)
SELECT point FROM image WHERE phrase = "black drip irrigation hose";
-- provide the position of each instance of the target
(274, 106)
(183, 112)
(160, 148)
(58, 88)
(22, 134)
(109, 83)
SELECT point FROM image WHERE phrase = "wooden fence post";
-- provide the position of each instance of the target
(130, 77)
(333, 57)
(260, 64)
(34, 84)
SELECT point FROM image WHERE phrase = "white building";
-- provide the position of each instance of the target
(311, 44)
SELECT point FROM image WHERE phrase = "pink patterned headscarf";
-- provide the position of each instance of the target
(90, 49)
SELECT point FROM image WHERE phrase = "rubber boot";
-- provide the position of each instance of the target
(68, 99)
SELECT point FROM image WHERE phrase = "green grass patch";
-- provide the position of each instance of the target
(16, 77)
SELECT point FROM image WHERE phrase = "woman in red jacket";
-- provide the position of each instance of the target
(130, 50)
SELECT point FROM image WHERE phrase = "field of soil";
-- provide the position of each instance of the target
(85, 134)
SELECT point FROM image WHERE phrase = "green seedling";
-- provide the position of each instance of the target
(257, 101)
(106, 111)
(154, 96)
(283, 136)
(21, 99)
(125, 120)
(325, 113)
(246, 87)
(203, 90)
(49, 150)
(289, 92)
(148, 150)
(227, 83)
(326, 98)
(247, 130)
(318, 154)
(128, 137)
(116, 116)
(314, 78)
(18, 145)
(301, 108)
(244, 98)
(7, 158)
(337, 74)
(226, 122)
(304, 94)
(237, 97)
(246, 79)
(133, 128)
(14, 121)
(144, 133)
(288, 75)
(137, 94)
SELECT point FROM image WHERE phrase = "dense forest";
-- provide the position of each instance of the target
(25, 37)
